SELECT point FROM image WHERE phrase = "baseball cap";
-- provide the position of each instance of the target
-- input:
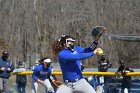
(5, 53)
(20, 63)
(47, 60)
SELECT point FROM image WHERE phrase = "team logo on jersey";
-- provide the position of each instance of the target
(74, 52)
(43, 73)
(7, 63)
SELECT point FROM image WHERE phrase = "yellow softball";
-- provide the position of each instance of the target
(100, 52)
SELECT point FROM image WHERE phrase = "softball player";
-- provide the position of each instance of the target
(41, 74)
(69, 59)
(6, 67)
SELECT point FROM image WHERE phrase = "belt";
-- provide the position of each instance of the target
(4, 77)
(72, 81)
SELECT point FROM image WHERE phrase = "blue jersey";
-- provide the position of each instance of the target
(70, 62)
(6, 64)
(40, 72)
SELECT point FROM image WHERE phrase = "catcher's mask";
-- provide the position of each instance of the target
(97, 31)
(68, 41)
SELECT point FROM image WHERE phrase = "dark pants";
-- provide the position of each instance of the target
(126, 84)
(21, 88)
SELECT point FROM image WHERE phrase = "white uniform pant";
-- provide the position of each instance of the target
(47, 85)
(80, 86)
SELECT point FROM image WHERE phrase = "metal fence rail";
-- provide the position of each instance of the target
(135, 38)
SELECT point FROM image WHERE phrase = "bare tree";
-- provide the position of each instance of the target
(30, 26)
